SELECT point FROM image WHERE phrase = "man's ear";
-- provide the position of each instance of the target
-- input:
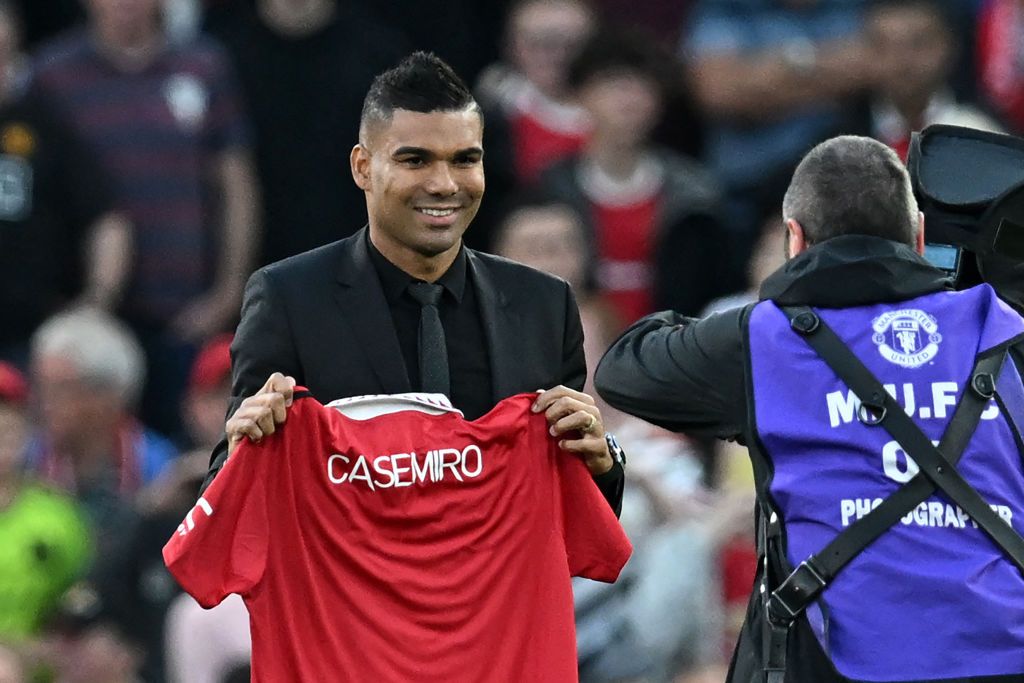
(796, 241)
(359, 161)
(919, 246)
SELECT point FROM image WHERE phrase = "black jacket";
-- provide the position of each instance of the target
(321, 317)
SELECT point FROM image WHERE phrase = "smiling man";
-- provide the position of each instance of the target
(402, 305)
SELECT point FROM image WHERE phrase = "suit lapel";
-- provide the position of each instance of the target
(361, 299)
(500, 329)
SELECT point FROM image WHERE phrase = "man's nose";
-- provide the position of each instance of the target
(441, 181)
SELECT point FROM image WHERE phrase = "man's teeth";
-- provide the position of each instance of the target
(438, 212)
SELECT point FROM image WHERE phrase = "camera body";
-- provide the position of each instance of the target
(970, 186)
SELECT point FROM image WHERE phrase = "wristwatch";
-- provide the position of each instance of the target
(615, 450)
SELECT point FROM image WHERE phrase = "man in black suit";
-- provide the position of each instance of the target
(349, 318)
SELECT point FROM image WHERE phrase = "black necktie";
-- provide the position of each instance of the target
(434, 377)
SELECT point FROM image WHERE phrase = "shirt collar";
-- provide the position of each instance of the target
(395, 281)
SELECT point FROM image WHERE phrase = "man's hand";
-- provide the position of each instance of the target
(259, 415)
(573, 412)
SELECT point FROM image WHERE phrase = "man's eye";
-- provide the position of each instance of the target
(415, 162)
(467, 161)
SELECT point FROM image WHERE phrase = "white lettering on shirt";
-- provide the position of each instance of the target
(407, 469)
(190, 523)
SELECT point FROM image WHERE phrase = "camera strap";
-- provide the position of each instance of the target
(937, 472)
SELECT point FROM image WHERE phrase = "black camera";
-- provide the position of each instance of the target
(970, 186)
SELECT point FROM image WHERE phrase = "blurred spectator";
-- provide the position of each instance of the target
(90, 645)
(166, 123)
(737, 546)
(305, 66)
(651, 216)
(728, 462)
(60, 238)
(660, 616)
(138, 587)
(549, 235)
(88, 371)
(771, 77)
(44, 540)
(768, 255)
(206, 646)
(1000, 44)
(12, 669)
(209, 390)
(682, 128)
(913, 51)
(663, 620)
(529, 89)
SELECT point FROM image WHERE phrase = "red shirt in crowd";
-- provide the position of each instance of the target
(626, 236)
(538, 145)
(1000, 47)
(407, 546)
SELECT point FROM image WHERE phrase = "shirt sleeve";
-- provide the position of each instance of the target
(680, 373)
(595, 543)
(221, 546)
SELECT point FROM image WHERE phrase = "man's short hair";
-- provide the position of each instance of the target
(618, 51)
(422, 82)
(101, 348)
(852, 185)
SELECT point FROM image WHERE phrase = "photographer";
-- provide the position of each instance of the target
(929, 594)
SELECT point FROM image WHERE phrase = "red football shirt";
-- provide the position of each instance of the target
(626, 237)
(405, 547)
(538, 146)
(999, 57)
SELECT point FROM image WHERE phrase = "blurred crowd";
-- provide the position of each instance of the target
(154, 152)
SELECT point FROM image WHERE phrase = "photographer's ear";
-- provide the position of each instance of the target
(919, 242)
(796, 241)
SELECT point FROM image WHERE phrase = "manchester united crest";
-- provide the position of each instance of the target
(908, 337)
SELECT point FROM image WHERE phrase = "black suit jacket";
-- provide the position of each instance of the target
(322, 318)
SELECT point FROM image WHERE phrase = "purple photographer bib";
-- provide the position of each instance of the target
(933, 597)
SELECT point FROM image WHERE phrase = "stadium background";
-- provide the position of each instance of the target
(153, 153)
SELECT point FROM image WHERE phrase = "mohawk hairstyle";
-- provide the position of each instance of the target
(422, 82)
